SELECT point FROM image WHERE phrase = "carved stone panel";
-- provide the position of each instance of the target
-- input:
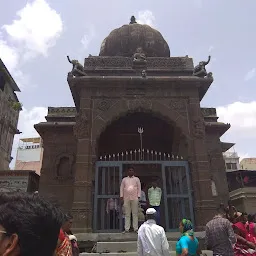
(198, 128)
(104, 104)
(179, 105)
(139, 103)
(64, 167)
(81, 128)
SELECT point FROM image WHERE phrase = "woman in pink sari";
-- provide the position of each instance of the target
(251, 228)
(243, 246)
(64, 246)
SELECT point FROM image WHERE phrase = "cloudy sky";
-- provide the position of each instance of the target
(36, 36)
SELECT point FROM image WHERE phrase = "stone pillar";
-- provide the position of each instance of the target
(218, 170)
(204, 207)
(82, 205)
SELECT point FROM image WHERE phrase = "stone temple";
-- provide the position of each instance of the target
(135, 105)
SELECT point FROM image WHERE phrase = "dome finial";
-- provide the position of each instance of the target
(133, 20)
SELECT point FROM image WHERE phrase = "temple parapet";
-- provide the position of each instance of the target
(61, 114)
(209, 114)
(172, 63)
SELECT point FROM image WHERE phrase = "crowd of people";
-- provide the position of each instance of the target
(31, 225)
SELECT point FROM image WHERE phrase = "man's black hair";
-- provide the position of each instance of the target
(36, 221)
(220, 210)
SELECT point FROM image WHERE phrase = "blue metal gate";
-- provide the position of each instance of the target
(176, 198)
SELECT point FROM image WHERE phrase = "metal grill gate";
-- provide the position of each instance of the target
(176, 190)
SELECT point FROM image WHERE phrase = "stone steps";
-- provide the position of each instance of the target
(172, 253)
(114, 243)
(130, 246)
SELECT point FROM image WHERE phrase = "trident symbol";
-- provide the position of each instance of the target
(140, 131)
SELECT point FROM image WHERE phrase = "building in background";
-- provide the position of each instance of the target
(19, 180)
(231, 161)
(9, 115)
(29, 154)
(248, 164)
(241, 179)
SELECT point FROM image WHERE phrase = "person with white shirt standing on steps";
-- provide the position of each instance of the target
(130, 192)
(154, 197)
(152, 240)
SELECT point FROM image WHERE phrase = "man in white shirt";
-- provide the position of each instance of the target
(130, 192)
(151, 237)
(154, 197)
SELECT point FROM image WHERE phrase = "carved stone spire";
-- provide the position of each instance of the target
(133, 20)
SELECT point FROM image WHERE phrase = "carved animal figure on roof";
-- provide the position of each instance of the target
(200, 69)
(133, 20)
(139, 57)
(78, 69)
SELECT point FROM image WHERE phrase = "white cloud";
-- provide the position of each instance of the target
(37, 28)
(146, 17)
(27, 120)
(87, 38)
(9, 55)
(33, 33)
(250, 74)
(242, 117)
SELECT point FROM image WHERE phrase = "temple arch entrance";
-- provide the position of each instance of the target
(157, 149)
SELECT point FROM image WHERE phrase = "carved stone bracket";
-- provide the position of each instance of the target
(104, 105)
(198, 128)
(81, 128)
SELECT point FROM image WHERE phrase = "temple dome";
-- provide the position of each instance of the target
(124, 41)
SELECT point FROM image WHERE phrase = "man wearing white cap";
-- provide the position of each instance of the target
(151, 237)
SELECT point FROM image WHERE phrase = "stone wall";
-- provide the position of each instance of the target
(58, 166)
(99, 106)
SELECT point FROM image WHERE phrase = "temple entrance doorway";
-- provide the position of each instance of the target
(157, 151)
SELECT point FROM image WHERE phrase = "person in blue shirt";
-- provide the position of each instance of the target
(187, 244)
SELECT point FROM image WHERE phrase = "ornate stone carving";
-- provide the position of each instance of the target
(133, 20)
(135, 91)
(139, 103)
(61, 111)
(64, 166)
(104, 105)
(208, 112)
(198, 128)
(139, 58)
(173, 63)
(178, 104)
(200, 69)
(144, 74)
(77, 70)
(81, 128)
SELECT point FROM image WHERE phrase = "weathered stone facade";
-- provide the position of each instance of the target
(112, 88)
(9, 115)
